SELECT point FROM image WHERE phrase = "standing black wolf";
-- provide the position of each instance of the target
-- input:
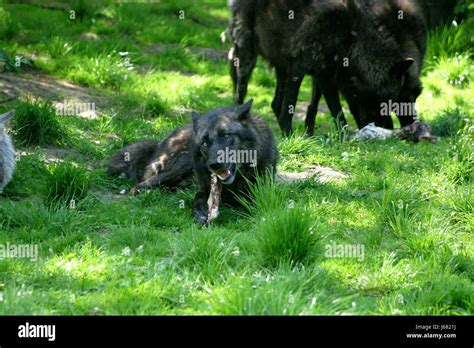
(246, 46)
(228, 144)
(370, 50)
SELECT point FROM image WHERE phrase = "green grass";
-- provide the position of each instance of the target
(448, 123)
(409, 205)
(36, 123)
(66, 184)
(448, 41)
(286, 237)
(462, 168)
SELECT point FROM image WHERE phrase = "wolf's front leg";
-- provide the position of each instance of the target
(200, 208)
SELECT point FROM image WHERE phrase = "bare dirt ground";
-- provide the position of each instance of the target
(36, 84)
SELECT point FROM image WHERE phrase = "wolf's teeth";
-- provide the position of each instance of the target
(225, 175)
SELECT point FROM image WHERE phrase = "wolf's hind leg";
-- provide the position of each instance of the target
(172, 175)
(331, 94)
(151, 182)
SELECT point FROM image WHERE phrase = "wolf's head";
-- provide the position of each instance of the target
(398, 84)
(388, 45)
(220, 138)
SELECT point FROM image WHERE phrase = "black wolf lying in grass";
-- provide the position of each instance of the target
(226, 149)
(370, 50)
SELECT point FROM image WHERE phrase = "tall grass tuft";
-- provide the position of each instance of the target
(462, 167)
(66, 184)
(295, 146)
(264, 196)
(286, 236)
(36, 123)
(284, 229)
(86, 10)
(447, 41)
(448, 123)
(8, 26)
(456, 71)
(461, 205)
(155, 106)
(397, 209)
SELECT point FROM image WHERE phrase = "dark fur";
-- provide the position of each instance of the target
(437, 12)
(172, 161)
(316, 41)
(154, 163)
(235, 128)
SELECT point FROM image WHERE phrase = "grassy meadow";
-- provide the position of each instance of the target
(410, 207)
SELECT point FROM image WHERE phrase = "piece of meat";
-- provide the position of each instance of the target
(415, 132)
(214, 199)
(371, 131)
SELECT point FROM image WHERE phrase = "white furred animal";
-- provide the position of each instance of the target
(7, 152)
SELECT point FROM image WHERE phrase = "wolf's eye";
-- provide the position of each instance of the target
(203, 149)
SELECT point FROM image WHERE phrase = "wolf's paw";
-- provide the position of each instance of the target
(200, 209)
(200, 217)
(134, 191)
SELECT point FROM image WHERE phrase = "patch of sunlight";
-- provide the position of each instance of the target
(169, 85)
(360, 216)
(86, 262)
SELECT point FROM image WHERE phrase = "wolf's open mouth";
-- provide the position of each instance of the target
(223, 174)
(226, 176)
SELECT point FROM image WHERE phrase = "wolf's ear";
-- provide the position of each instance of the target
(402, 67)
(195, 118)
(243, 111)
(5, 117)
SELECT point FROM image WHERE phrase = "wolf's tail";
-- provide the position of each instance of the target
(132, 160)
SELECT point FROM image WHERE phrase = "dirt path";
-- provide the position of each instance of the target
(37, 84)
